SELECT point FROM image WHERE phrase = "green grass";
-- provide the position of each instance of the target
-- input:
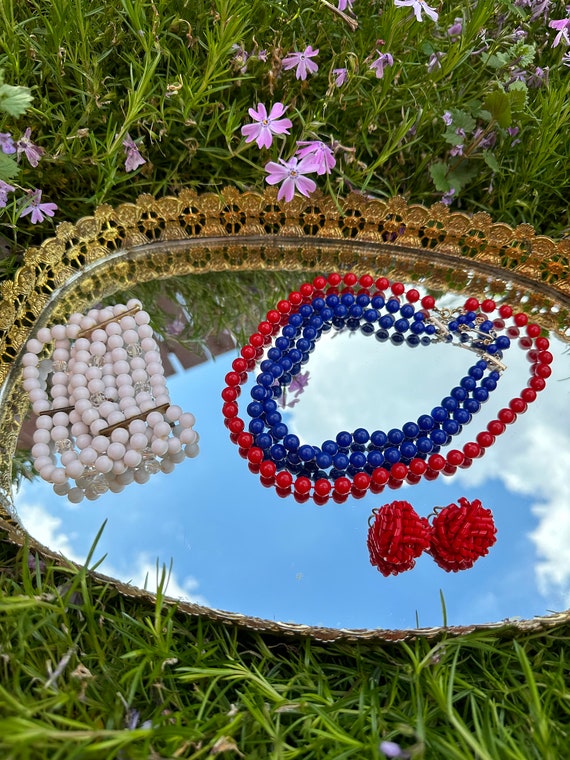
(88, 673)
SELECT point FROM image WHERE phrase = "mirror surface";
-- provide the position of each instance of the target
(232, 544)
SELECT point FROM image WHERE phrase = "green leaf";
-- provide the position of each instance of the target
(499, 105)
(491, 161)
(452, 137)
(8, 167)
(438, 173)
(14, 100)
(462, 119)
(517, 96)
(462, 175)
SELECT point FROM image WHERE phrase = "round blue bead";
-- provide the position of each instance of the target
(318, 303)
(503, 342)
(273, 418)
(266, 365)
(269, 405)
(430, 329)
(402, 325)
(469, 383)
(353, 323)
(439, 414)
(279, 431)
(471, 405)
(453, 325)
(266, 379)
(357, 459)
(486, 326)
(291, 442)
(305, 311)
(407, 311)
(282, 343)
(355, 311)
(395, 436)
(277, 370)
(476, 372)
(360, 435)
(347, 299)
(410, 429)
(471, 316)
(316, 322)
(263, 440)
(326, 315)
(303, 345)
(340, 311)
(494, 375)
(293, 458)
(425, 422)
(362, 299)
(296, 320)
(255, 409)
(408, 449)
(258, 392)
(332, 300)
(461, 416)
(386, 321)
(459, 393)
(377, 302)
(256, 426)
(278, 452)
(340, 461)
(295, 355)
(481, 395)
(375, 458)
(419, 316)
(449, 403)
(286, 363)
(451, 427)
(274, 354)
(309, 333)
(324, 461)
(330, 447)
(424, 445)
(367, 329)
(379, 438)
(370, 315)
(344, 439)
(306, 453)
(392, 305)
(489, 383)
(391, 455)
(417, 328)
(397, 338)
(439, 437)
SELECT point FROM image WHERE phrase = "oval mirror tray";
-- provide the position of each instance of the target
(207, 269)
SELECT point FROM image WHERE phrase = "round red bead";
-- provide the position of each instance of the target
(283, 307)
(472, 450)
(366, 281)
(255, 455)
(496, 427)
(545, 357)
(506, 311)
(399, 471)
(537, 383)
(361, 481)
(471, 304)
(436, 462)
(528, 395)
(306, 290)
(418, 466)
(320, 282)
(542, 370)
(488, 305)
(334, 279)
(533, 330)
(397, 288)
(455, 457)
(232, 378)
(525, 343)
(342, 486)
(542, 344)
(380, 476)
(230, 409)
(239, 365)
(265, 328)
(257, 340)
(382, 283)
(520, 319)
(428, 302)
(485, 439)
(267, 469)
(283, 479)
(413, 295)
(295, 298)
(248, 352)
(302, 485)
(273, 317)
(518, 405)
(230, 394)
(322, 487)
(507, 416)
(245, 440)
(235, 424)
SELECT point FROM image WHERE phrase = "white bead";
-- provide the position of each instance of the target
(58, 332)
(167, 466)
(187, 420)
(59, 476)
(154, 418)
(173, 413)
(115, 340)
(137, 426)
(75, 495)
(115, 417)
(41, 462)
(83, 355)
(90, 416)
(97, 425)
(61, 489)
(106, 408)
(42, 436)
(152, 357)
(44, 335)
(40, 450)
(141, 476)
(88, 323)
(75, 469)
(119, 354)
(60, 355)
(142, 318)
(79, 428)
(137, 362)
(58, 391)
(127, 323)
(155, 368)
(132, 458)
(60, 402)
(116, 487)
(78, 368)
(44, 423)
(121, 367)
(59, 433)
(28, 372)
(100, 443)
(130, 336)
(105, 314)
(113, 328)
(120, 435)
(88, 456)
(40, 406)
(98, 348)
(80, 393)
(34, 346)
(98, 336)
(78, 381)
(138, 441)
(146, 404)
(46, 473)
(72, 331)
(192, 451)
(31, 383)
(111, 393)
(174, 446)
(139, 376)
(68, 457)
(145, 331)
(188, 436)
(180, 456)
(116, 451)
(159, 447)
(161, 398)
(103, 464)
(162, 429)
(126, 478)
(93, 373)
(119, 467)
(83, 441)
(134, 303)
(148, 344)
(30, 360)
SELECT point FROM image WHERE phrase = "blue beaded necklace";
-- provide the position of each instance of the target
(386, 319)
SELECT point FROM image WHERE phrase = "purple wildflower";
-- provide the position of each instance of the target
(32, 152)
(267, 125)
(539, 78)
(448, 197)
(302, 62)
(5, 188)
(562, 26)
(299, 383)
(393, 751)
(456, 29)
(37, 209)
(447, 118)
(320, 153)
(262, 56)
(7, 143)
(513, 132)
(176, 327)
(340, 76)
(344, 4)
(457, 150)
(484, 141)
(418, 6)
(133, 157)
(434, 61)
(383, 60)
(565, 61)
(292, 174)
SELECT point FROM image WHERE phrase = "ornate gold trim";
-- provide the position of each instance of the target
(233, 231)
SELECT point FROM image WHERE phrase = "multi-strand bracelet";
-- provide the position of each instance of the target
(354, 462)
(107, 419)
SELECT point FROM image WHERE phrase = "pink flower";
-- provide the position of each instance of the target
(302, 61)
(267, 125)
(562, 26)
(37, 209)
(418, 6)
(5, 188)
(320, 153)
(25, 145)
(344, 4)
(340, 76)
(447, 118)
(456, 28)
(133, 158)
(7, 143)
(383, 60)
(292, 174)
